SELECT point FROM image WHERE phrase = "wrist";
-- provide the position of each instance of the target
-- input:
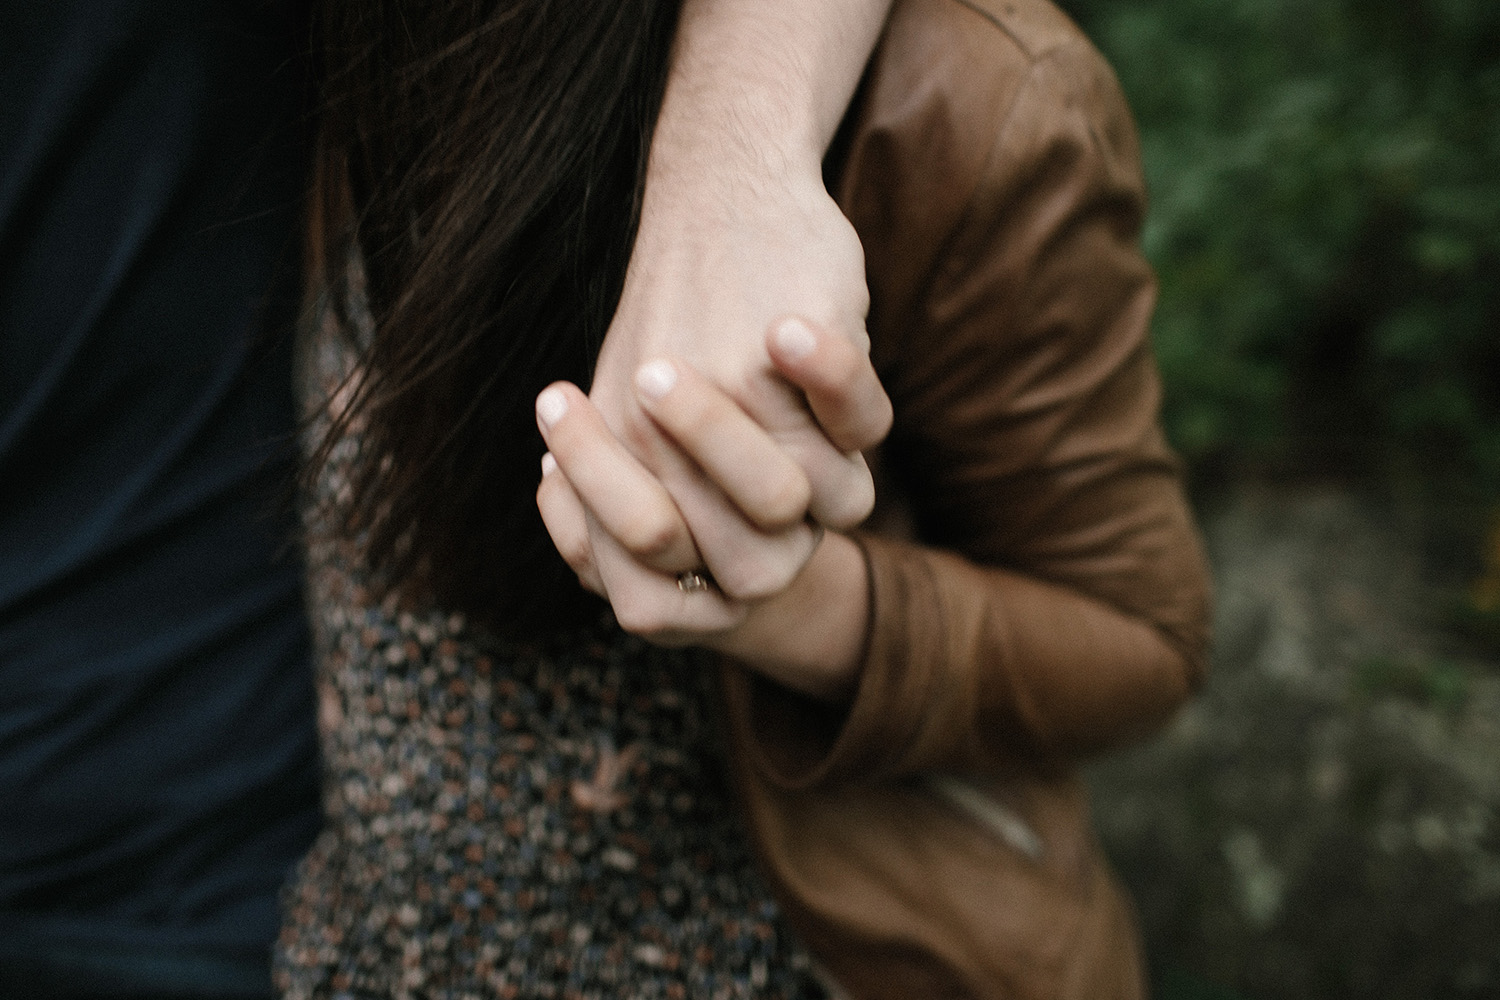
(811, 637)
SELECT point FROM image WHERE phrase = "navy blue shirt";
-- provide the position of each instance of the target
(158, 762)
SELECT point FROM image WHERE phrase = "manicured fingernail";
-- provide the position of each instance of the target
(655, 378)
(794, 338)
(551, 406)
(549, 464)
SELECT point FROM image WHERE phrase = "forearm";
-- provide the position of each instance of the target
(761, 85)
(970, 669)
(737, 233)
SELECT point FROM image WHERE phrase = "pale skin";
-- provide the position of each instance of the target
(737, 231)
(717, 433)
(807, 636)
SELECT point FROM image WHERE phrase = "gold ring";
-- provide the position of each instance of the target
(694, 580)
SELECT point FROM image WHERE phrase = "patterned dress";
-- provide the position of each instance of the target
(518, 821)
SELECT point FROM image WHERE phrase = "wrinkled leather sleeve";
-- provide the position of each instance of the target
(1055, 599)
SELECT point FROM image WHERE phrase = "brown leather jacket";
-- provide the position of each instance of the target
(1039, 591)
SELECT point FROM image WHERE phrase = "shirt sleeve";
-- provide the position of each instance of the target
(1054, 598)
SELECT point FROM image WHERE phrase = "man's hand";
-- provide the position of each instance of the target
(707, 296)
(737, 230)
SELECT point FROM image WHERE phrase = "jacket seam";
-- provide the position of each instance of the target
(946, 247)
(1031, 53)
(999, 24)
(944, 250)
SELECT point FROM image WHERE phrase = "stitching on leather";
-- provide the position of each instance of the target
(997, 23)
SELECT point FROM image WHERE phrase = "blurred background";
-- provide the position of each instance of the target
(1324, 821)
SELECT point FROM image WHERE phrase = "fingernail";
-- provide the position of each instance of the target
(549, 464)
(794, 339)
(551, 406)
(655, 378)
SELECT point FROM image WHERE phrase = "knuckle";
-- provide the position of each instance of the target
(649, 534)
(785, 502)
(848, 503)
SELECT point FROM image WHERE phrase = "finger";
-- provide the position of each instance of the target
(748, 563)
(646, 603)
(650, 604)
(734, 452)
(843, 491)
(629, 502)
(838, 379)
(563, 514)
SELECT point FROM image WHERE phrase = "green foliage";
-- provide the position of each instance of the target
(1325, 179)
(1434, 682)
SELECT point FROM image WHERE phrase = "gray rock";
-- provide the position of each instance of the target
(1323, 821)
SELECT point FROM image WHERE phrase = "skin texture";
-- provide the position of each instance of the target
(592, 488)
(736, 232)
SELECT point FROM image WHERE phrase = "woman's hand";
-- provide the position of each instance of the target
(621, 531)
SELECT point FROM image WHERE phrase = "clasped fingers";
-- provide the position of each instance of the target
(646, 602)
(628, 501)
(740, 458)
(681, 508)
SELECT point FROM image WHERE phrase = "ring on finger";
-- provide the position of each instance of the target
(694, 580)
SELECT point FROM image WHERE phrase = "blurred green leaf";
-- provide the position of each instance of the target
(1434, 682)
(1325, 181)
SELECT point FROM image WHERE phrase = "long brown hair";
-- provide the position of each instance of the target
(486, 159)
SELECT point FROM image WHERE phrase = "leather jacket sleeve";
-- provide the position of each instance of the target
(1038, 587)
